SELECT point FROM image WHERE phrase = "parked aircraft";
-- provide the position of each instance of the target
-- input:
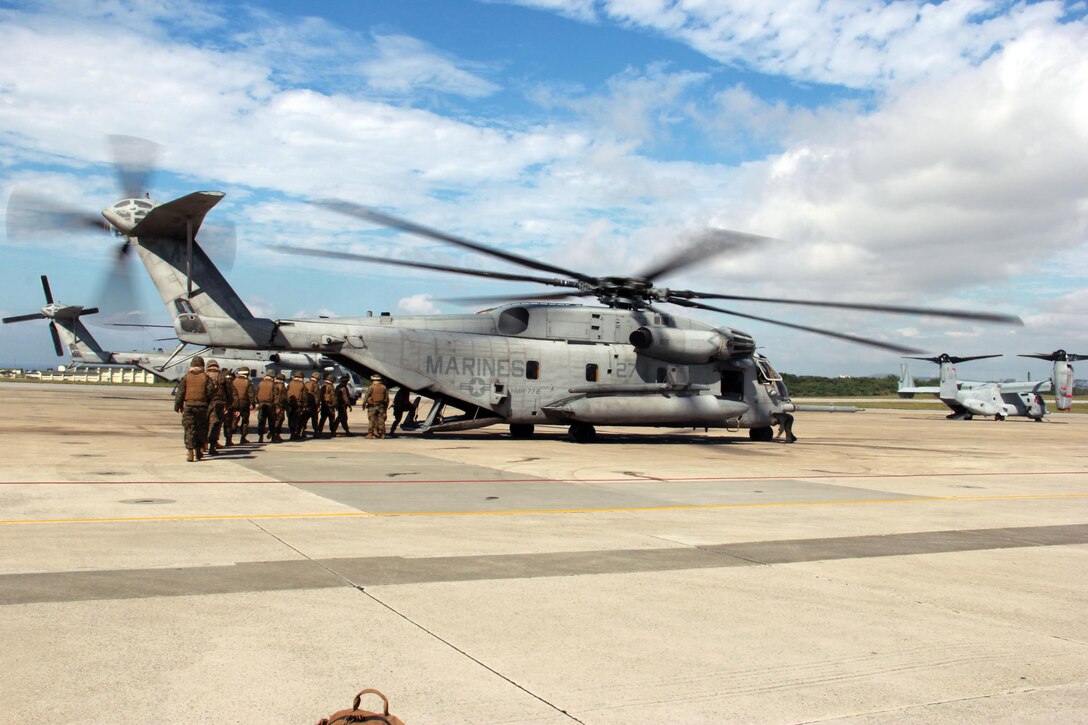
(533, 360)
(968, 398)
(66, 327)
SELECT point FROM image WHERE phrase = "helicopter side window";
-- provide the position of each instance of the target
(733, 384)
(532, 370)
(662, 375)
(592, 373)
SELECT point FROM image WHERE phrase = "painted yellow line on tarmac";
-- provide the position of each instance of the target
(532, 512)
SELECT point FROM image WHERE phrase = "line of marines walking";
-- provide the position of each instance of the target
(214, 402)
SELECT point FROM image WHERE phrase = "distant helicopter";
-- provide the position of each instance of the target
(530, 361)
(1000, 400)
(65, 327)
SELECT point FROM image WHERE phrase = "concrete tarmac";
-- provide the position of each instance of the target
(891, 566)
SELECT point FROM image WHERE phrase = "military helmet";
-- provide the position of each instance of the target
(375, 377)
(343, 378)
(330, 377)
(212, 365)
(198, 362)
(297, 374)
(281, 376)
(315, 376)
(243, 371)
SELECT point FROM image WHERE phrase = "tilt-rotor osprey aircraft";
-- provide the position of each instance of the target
(531, 361)
(65, 327)
(1000, 400)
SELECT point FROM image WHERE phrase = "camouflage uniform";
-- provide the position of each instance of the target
(279, 404)
(245, 397)
(377, 401)
(326, 396)
(220, 403)
(295, 390)
(343, 405)
(266, 407)
(310, 403)
(191, 398)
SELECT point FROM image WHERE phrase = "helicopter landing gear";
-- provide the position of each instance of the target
(763, 435)
(521, 430)
(582, 433)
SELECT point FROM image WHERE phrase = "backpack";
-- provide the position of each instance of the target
(357, 715)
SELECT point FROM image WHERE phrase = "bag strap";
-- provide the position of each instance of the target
(371, 691)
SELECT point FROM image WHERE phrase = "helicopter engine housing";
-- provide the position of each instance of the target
(690, 347)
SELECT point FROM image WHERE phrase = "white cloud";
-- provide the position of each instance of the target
(420, 304)
(404, 64)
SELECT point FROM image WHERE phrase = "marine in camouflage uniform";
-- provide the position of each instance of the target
(218, 407)
(401, 406)
(310, 403)
(295, 390)
(245, 397)
(377, 402)
(266, 407)
(343, 405)
(326, 395)
(279, 404)
(194, 391)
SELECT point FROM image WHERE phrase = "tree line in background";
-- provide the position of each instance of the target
(814, 386)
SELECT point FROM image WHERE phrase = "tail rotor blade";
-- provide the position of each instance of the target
(56, 339)
(134, 160)
(30, 215)
(24, 318)
(48, 292)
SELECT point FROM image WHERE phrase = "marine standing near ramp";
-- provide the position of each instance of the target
(279, 405)
(191, 399)
(296, 390)
(377, 401)
(218, 406)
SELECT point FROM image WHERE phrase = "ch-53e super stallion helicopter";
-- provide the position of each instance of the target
(531, 361)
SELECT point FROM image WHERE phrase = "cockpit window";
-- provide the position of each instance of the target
(767, 374)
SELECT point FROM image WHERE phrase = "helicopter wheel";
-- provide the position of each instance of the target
(583, 433)
(521, 430)
(761, 434)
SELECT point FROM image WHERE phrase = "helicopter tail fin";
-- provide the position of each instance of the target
(80, 342)
(205, 308)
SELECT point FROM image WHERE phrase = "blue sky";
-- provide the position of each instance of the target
(908, 153)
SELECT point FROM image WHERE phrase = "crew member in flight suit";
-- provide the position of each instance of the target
(401, 405)
(377, 401)
(194, 391)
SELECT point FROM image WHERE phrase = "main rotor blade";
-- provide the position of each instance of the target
(220, 241)
(517, 298)
(330, 254)
(56, 339)
(819, 331)
(31, 214)
(708, 243)
(376, 217)
(24, 318)
(48, 292)
(895, 309)
(134, 159)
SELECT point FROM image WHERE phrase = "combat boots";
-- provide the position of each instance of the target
(191, 456)
(260, 438)
(229, 441)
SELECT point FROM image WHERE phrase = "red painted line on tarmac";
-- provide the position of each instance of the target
(646, 479)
